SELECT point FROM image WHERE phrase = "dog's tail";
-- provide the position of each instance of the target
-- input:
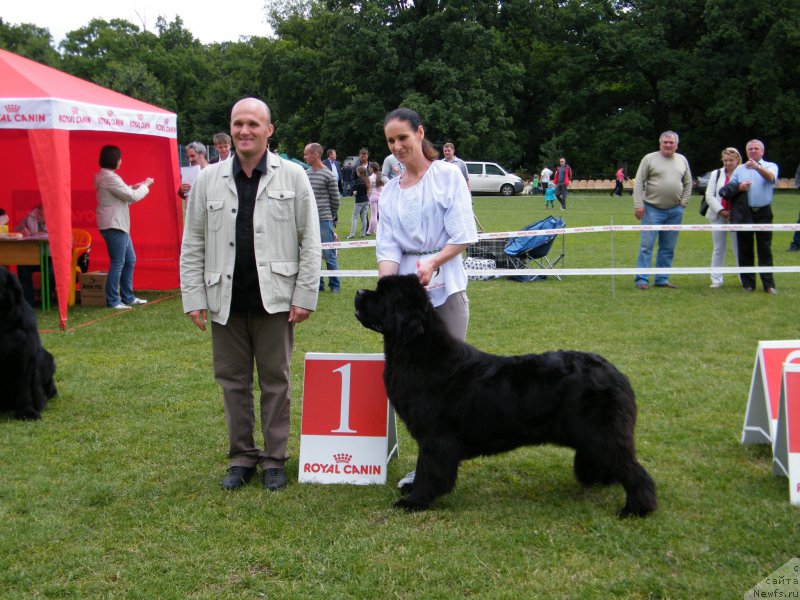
(640, 490)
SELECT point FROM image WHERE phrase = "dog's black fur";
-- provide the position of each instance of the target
(459, 402)
(27, 370)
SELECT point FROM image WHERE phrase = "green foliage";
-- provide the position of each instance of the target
(115, 493)
(518, 82)
(28, 40)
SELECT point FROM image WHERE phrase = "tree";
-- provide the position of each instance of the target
(29, 41)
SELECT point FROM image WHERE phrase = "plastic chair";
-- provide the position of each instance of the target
(81, 243)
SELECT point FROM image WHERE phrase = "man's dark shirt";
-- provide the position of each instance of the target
(246, 295)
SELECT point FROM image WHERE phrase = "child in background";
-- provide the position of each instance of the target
(550, 195)
(527, 188)
(535, 189)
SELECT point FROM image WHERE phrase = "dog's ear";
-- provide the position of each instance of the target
(14, 289)
(407, 327)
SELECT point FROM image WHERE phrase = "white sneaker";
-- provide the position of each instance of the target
(137, 302)
(120, 306)
(715, 285)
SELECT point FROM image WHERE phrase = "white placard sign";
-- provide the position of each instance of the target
(786, 457)
(761, 418)
(348, 431)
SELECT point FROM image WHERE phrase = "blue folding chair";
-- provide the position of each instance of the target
(523, 250)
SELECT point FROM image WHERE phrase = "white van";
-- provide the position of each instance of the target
(491, 178)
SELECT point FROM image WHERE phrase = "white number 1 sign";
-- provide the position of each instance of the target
(344, 402)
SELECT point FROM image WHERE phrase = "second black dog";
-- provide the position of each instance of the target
(459, 402)
(27, 370)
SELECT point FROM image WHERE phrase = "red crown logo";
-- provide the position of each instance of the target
(74, 110)
(140, 117)
(12, 108)
(342, 457)
(110, 112)
(166, 121)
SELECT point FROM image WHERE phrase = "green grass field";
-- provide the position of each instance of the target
(115, 493)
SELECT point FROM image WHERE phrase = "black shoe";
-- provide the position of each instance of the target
(793, 248)
(749, 289)
(275, 479)
(236, 477)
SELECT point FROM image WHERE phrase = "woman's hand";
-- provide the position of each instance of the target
(425, 271)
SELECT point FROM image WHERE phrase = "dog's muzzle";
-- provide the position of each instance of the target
(360, 294)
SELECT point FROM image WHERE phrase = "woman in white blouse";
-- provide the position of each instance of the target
(719, 211)
(114, 223)
(426, 220)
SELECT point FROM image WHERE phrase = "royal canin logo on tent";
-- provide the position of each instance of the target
(12, 114)
(139, 122)
(75, 118)
(111, 120)
(166, 126)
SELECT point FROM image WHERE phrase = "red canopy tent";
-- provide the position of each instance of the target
(52, 127)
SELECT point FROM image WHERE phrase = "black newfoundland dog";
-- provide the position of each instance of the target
(459, 402)
(26, 368)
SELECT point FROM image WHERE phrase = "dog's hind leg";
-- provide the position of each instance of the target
(437, 470)
(590, 469)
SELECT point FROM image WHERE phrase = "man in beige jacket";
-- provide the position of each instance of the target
(251, 261)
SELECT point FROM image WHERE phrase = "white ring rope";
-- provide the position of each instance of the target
(600, 271)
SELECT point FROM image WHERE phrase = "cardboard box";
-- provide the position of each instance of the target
(93, 286)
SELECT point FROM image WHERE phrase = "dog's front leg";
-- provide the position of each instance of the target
(437, 469)
(25, 401)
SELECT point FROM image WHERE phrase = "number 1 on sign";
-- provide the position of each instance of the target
(344, 403)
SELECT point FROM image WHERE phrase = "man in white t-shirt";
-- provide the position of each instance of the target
(544, 178)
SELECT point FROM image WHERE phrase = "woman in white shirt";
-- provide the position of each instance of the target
(719, 211)
(426, 220)
(114, 223)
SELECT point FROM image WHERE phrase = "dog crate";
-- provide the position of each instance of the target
(492, 250)
(523, 252)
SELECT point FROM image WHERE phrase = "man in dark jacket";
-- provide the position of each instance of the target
(562, 177)
(335, 167)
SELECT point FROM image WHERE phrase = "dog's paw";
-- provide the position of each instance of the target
(29, 414)
(408, 506)
(626, 512)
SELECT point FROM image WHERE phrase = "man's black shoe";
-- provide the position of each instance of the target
(236, 477)
(275, 479)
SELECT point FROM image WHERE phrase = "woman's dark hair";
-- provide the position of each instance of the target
(414, 121)
(376, 168)
(109, 157)
(361, 173)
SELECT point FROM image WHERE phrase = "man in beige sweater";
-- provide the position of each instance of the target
(662, 188)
